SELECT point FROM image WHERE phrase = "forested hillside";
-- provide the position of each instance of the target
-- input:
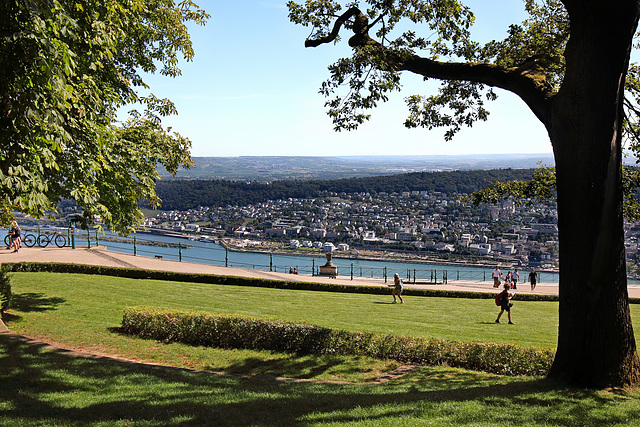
(187, 194)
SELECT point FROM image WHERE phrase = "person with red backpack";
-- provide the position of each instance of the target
(503, 300)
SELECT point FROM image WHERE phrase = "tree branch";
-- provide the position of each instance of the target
(353, 11)
(528, 80)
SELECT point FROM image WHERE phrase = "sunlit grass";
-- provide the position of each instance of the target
(47, 388)
(74, 297)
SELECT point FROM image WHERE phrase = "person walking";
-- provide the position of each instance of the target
(514, 279)
(397, 289)
(15, 232)
(497, 275)
(505, 303)
(533, 279)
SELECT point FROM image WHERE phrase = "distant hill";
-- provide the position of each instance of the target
(272, 168)
(181, 194)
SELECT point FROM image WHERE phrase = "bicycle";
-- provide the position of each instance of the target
(28, 239)
(58, 239)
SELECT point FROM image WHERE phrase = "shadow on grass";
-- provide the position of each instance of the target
(290, 367)
(31, 301)
(44, 387)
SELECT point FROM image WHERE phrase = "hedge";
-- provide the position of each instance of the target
(134, 273)
(5, 289)
(232, 331)
(137, 273)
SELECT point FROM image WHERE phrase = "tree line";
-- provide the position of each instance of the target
(187, 194)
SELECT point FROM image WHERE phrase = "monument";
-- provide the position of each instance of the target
(329, 269)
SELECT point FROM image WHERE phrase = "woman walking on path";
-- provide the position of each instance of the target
(533, 279)
(397, 289)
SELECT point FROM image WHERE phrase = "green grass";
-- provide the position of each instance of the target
(40, 387)
(52, 389)
(75, 296)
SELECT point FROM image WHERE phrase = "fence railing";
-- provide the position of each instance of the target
(304, 265)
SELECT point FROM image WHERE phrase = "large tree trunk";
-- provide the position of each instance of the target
(596, 346)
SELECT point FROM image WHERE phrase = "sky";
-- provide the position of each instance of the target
(252, 90)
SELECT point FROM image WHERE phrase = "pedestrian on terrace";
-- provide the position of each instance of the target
(397, 289)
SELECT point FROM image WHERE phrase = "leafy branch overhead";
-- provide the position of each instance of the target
(528, 62)
(66, 68)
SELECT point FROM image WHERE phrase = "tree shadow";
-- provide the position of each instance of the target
(290, 367)
(58, 388)
(31, 301)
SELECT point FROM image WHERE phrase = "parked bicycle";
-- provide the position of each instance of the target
(42, 240)
(56, 238)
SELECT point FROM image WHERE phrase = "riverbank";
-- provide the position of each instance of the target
(365, 254)
(383, 256)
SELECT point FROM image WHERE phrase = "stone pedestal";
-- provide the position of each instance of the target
(329, 269)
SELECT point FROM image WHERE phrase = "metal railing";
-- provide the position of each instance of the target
(218, 255)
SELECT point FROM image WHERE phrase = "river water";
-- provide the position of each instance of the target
(211, 253)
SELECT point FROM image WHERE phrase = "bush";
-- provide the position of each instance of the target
(227, 331)
(5, 289)
(134, 273)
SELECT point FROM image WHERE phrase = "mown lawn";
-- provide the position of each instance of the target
(47, 388)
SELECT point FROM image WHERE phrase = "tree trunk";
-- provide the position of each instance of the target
(596, 345)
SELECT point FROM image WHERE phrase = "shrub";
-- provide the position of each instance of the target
(5, 289)
(134, 273)
(227, 331)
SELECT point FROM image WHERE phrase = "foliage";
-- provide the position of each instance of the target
(541, 188)
(65, 70)
(188, 194)
(5, 288)
(205, 329)
(535, 46)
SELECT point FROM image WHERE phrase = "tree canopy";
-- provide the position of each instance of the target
(66, 68)
(530, 61)
(179, 194)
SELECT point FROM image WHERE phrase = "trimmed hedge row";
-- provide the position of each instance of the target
(229, 331)
(134, 273)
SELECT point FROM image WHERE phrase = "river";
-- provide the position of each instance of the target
(211, 253)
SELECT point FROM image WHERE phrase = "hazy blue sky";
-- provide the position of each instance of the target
(252, 89)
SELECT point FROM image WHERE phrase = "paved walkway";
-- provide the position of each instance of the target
(102, 256)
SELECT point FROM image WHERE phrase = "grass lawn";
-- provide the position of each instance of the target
(46, 388)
